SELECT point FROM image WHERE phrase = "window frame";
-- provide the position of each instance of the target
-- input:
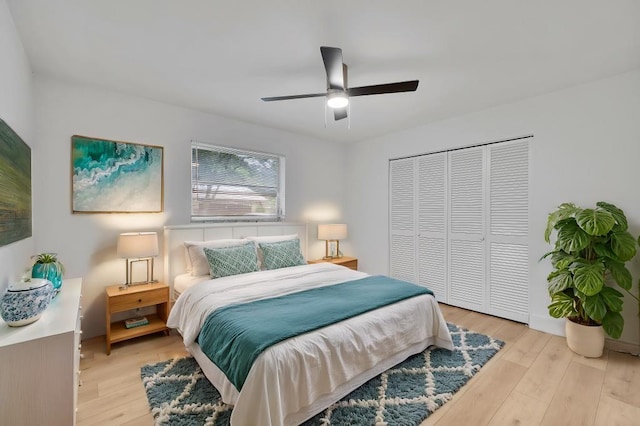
(280, 189)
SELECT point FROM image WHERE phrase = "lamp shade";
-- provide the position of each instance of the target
(333, 231)
(137, 244)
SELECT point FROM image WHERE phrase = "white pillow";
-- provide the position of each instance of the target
(269, 239)
(197, 263)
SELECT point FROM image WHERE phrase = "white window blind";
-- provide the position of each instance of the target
(232, 184)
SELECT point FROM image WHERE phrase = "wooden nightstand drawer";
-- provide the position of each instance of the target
(126, 302)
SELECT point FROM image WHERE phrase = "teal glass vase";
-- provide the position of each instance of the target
(49, 272)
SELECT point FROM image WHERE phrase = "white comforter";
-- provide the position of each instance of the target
(295, 379)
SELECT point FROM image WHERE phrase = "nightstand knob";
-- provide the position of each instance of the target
(139, 300)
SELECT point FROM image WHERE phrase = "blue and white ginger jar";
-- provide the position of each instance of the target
(25, 301)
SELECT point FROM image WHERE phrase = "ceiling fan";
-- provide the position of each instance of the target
(338, 92)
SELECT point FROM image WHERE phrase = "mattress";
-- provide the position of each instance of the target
(182, 282)
(295, 379)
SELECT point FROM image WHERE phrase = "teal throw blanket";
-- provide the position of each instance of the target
(233, 337)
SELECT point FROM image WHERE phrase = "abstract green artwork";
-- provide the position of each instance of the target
(116, 177)
(15, 186)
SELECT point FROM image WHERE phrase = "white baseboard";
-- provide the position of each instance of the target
(625, 347)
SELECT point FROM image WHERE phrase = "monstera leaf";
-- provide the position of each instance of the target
(617, 214)
(595, 222)
(613, 324)
(620, 274)
(559, 281)
(571, 238)
(597, 306)
(561, 306)
(564, 211)
(588, 277)
(623, 245)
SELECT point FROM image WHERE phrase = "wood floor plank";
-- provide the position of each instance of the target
(510, 331)
(485, 324)
(612, 412)
(121, 414)
(622, 381)
(146, 420)
(489, 391)
(519, 409)
(112, 402)
(600, 363)
(576, 399)
(543, 377)
(453, 314)
(116, 383)
(526, 349)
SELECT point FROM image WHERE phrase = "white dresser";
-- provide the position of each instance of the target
(40, 364)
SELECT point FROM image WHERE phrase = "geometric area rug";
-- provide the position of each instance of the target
(180, 394)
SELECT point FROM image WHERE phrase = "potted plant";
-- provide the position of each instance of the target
(47, 265)
(590, 251)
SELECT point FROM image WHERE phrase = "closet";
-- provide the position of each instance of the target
(459, 225)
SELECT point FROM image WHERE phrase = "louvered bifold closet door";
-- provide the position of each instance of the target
(508, 276)
(432, 223)
(402, 257)
(467, 229)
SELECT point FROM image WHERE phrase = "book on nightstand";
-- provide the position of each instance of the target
(136, 322)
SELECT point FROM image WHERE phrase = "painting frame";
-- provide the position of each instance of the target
(16, 205)
(110, 176)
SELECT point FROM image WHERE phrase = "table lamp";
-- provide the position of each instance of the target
(138, 247)
(332, 232)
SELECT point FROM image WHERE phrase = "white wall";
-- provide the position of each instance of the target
(586, 149)
(16, 109)
(86, 243)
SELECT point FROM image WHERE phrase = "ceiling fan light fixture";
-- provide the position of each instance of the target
(337, 100)
(338, 92)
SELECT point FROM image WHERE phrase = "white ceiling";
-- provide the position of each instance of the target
(223, 56)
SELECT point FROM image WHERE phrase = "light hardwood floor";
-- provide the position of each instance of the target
(534, 380)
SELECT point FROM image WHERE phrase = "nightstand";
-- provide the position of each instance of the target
(136, 296)
(349, 262)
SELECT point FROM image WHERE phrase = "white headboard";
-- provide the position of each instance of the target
(176, 235)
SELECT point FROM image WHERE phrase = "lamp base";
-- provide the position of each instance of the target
(331, 257)
(327, 256)
(126, 286)
(129, 272)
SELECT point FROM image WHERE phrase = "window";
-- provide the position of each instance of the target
(232, 184)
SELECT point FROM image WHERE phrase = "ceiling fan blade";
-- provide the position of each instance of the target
(284, 98)
(379, 89)
(340, 113)
(332, 58)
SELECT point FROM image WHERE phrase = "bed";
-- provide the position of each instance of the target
(298, 376)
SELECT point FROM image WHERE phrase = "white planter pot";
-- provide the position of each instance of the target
(584, 340)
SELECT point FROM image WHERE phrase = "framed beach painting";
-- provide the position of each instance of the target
(116, 177)
(15, 186)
